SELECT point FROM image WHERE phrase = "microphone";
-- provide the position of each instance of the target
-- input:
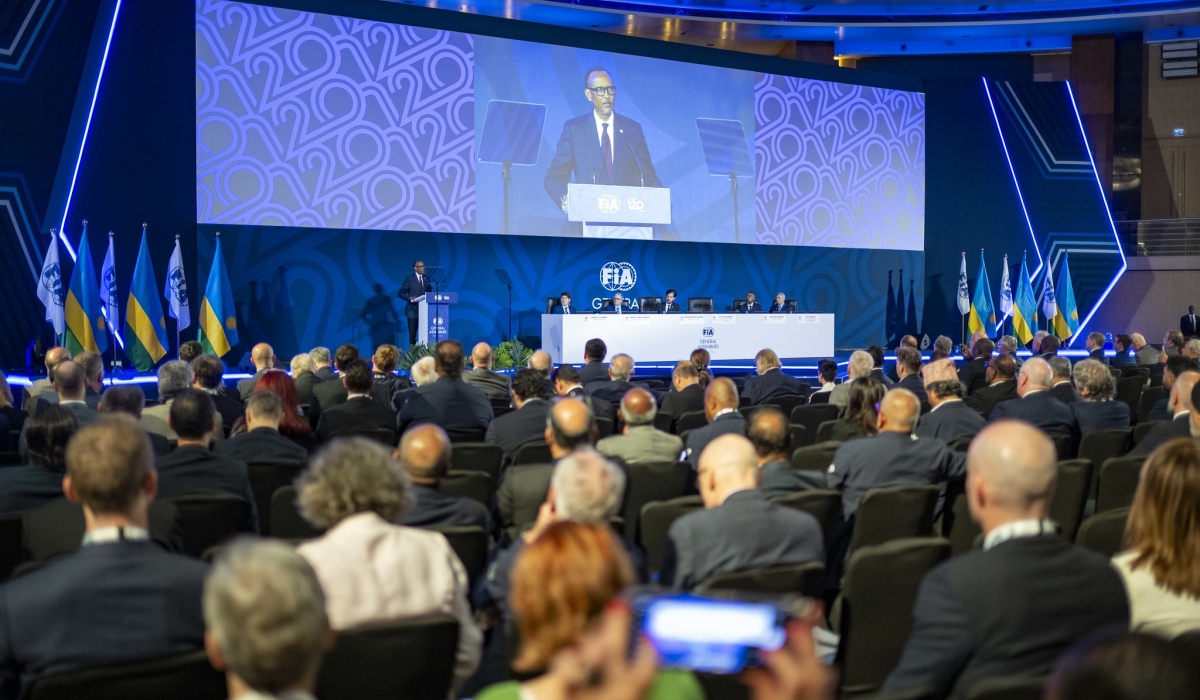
(641, 178)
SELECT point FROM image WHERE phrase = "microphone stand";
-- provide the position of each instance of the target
(502, 274)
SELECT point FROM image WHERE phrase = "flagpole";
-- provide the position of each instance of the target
(962, 318)
(112, 331)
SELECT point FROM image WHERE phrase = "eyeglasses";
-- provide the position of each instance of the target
(604, 91)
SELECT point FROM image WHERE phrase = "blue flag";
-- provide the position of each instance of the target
(1024, 307)
(1066, 323)
(983, 311)
(85, 326)
(145, 325)
(218, 316)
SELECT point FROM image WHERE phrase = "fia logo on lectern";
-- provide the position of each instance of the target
(618, 276)
(608, 204)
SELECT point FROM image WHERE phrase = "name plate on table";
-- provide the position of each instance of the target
(724, 319)
(808, 318)
(592, 320)
(638, 320)
(775, 319)
(691, 320)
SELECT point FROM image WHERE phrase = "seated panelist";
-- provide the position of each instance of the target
(780, 306)
(564, 304)
(671, 306)
(616, 306)
(752, 306)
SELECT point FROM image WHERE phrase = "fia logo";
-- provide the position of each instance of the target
(52, 280)
(437, 321)
(618, 276)
(708, 332)
(608, 204)
(178, 284)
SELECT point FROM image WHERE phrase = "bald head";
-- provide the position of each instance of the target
(729, 463)
(263, 356)
(568, 426)
(1011, 469)
(56, 356)
(1035, 375)
(540, 360)
(481, 355)
(1139, 341)
(621, 368)
(424, 453)
(1181, 392)
(69, 381)
(720, 395)
(898, 412)
(638, 408)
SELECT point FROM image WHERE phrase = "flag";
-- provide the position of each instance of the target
(1006, 299)
(910, 323)
(108, 286)
(889, 319)
(1049, 301)
(50, 289)
(145, 325)
(1066, 323)
(983, 313)
(899, 321)
(175, 290)
(1024, 307)
(964, 294)
(85, 326)
(218, 317)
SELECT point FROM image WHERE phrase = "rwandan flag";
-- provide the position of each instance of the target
(145, 325)
(1024, 307)
(218, 317)
(983, 312)
(85, 326)
(1066, 323)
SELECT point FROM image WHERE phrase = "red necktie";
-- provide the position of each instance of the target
(606, 154)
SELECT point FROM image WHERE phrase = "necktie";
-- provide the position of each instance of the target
(606, 154)
(420, 282)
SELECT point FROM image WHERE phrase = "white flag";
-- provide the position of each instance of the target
(108, 287)
(964, 294)
(1049, 300)
(175, 290)
(50, 286)
(1006, 298)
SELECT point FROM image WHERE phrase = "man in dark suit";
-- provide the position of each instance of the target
(877, 372)
(414, 286)
(208, 373)
(600, 147)
(738, 528)
(616, 306)
(93, 380)
(894, 457)
(54, 357)
(780, 306)
(1187, 323)
(320, 357)
(262, 443)
(1174, 367)
(973, 373)
(563, 307)
(1097, 410)
(567, 382)
(768, 430)
(594, 370)
(1122, 344)
(964, 630)
(1061, 387)
(1036, 406)
(721, 409)
(1095, 347)
(770, 380)
(360, 410)
(425, 454)
(619, 372)
(671, 306)
(69, 387)
(305, 377)
(450, 402)
(751, 306)
(525, 424)
(130, 400)
(496, 386)
(263, 357)
(330, 394)
(1001, 386)
(908, 371)
(688, 395)
(950, 418)
(83, 610)
(1048, 347)
(1182, 406)
(192, 467)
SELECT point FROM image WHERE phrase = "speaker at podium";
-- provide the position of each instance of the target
(616, 211)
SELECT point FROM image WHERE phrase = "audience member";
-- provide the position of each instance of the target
(192, 467)
(370, 569)
(263, 357)
(1097, 388)
(292, 423)
(768, 431)
(1172, 345)
(1061, 386)
(496, 386)
(37, 482)
(1172, 368)
(450, 402)
(619, 372)
(82, 610)
(1049, 347)
(826, 377)
(1180, 425)
(738, 528)
(360, 410)
(1121, 344)
(69, 387)
(859, 367)
(423, 372)
(189, 350)
(1191, 349)
(328, 394)
(973, 374)
(304, 374)
(425, 455)
(1095, 347)
(541, 363)
(721, 409)
(262, 442)
(770, 380)
(1109, 666)
(687, 396)
(528, 422)
(640, 442)
(1053, 592)
(701, 358)
(593, 370)
(129, 400)
(321, 358)
(173, 378)
(861, 410)
(567, 382)
(1147, 355)
(877, 373)
(208, 373)
(383, 369)
(54, 357)
(1036, 406)
(944, 346)
(1161, 567)
(908, 371)
(266, 626)
(950, 418)
(93, 380)
(1036, 343)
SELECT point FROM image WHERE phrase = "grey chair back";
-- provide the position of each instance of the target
(1118, 482)
(187, 676)
(1105, 532)
(824, 505)
(656, 519)
(805, 578)
(1071, 495)
(816, 457)
(413, 659)
(892, 513)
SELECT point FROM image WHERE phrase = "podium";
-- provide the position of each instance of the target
(615, 211)
(433, 316)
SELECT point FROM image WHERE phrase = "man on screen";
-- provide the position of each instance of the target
(752, 306)
(414, 286)
(564, 304)
(616, 306)
(780, 306)
(671, 306)
(600, 147)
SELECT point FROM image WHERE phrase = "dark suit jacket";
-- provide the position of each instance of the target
(558, 309)
(1098, 355)
(330, 394)
(28, 487)
(432, 508)
(755, 308)
(191, 469)
(496, 386)
(1054, 593)
(611, 308)
(1041, 410)
(699, 438)
(106, 604)
(600, 407)
(387, 386)
(516, 428)
(611, 391)
(522, 491)
(1161, 410)
(984, 400)
(451, 403)
(326, 374)
(412, 288)
(578, 154)
(747, 531)
(246, 386)
(57, 528)
(950, 421)
(974, 375)
(593, 372)
(689, 400)
(780, 479)
(305, 383)
(1065, 392)
(890, 459)
(777, 309)
(916, 385)
(1187, 325)
(230, 409)
(261, 445)
(1161, 433)
(773, 383)
(359, 413)
(90, 397)
(671, 308)
(878, 375)
(1100, 415)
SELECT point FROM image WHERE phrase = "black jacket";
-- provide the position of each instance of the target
(689, 400)
(432, 508)
(1065, 392)
(974, 375)
(770, 384)
(192, 469)
(611, 391)
(305, 383)
(1165, 431)
(1040, 410)
(516, 428)
(950, 421)
(359, 413)
(412, 287)
(326, 374)
(780, 479)
(984, 400)
(600, 407)
(230, 409)
(522, 491)
(890, 459)
(261, 445)
(449, 402)
(593, 372)
(1100, 415)
(699, 438)
(916, 385)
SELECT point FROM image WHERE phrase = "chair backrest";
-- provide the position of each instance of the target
(11, 554)
(664, 422)
(477, 486)
(877, 600)
(470, 543)
(1105, 532)
(1070, 495)
(799, 435)
(1150, 396)
(1141, 429)
(1129, 391)
(265, 479)
(1064, 446)
(550, 302)
(185, 676)
(412, 659)
(1007, 688)
(805, 578)
(477, 457)
(824, 505)
(892, 513)
(1101, 445)
(700, 305)
(532, 452)
(499, 408)
(816, 457)
(819, 398)
(1118, 482)
(604, 427)
(458, 435)
(787, 402)
(650, 305)
(690, 421)
(957, 525)
(655, 521)
(209, 518)
(286, 521)
(825, 430)
(812, 416)
(739, 305)
(647, 483)
(960, 445)
(384, 436)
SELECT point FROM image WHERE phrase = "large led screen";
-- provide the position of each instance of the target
(315, 120)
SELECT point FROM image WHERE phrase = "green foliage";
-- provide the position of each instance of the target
(511, 354)
(416, 352)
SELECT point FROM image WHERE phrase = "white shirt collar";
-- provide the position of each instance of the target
(357, 396)
(71, 401)
(722, 412)
(1180, 413)
(1031, 392)
(1018, 529)
(285, 695)
(104, 535)
(1065, 381)
(944, 403)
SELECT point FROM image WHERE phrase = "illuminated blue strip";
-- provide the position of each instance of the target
(1020, 197)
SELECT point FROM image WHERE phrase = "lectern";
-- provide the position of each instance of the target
(433, 316)
(613, 211)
